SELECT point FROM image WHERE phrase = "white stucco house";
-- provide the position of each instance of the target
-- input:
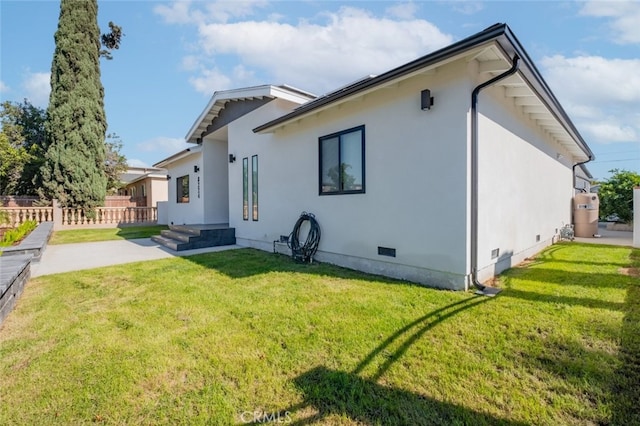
(443, 171)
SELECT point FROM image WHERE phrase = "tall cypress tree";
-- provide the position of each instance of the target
(73, 170)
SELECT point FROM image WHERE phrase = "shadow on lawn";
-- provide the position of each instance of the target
(348, 395)
(565, 300)
(570, 358)
(551, 254)
(247, 262)
(555, 276)
(627, 384)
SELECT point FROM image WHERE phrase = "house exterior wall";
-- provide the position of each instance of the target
(193, 211)
(416, 185)
(215, 181)
(524, 186)
(158, 191)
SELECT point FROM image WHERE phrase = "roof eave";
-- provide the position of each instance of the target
(422, 62)
(178, 156)
(268, 90)
(499, 33)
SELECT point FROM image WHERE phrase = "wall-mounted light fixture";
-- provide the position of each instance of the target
(232, 158)
(426, 100)
(196, 169)
(168, 177)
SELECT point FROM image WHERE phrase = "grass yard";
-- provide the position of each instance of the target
(248, 337)
(105, 234)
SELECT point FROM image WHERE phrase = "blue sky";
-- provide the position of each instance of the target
(176, 54)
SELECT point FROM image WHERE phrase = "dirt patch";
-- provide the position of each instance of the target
(631, 272)
(526, 262)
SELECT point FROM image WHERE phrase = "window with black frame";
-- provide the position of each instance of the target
(245, 188)
(342, 162)
(254, 187)
(182, 189)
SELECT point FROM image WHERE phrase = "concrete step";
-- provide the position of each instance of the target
(185, 229)
(178, 235)
(168, 243)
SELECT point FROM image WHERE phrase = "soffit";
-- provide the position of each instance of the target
(517, 88)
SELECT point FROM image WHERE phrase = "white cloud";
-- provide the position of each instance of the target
(163, 144)
(611, 131)
(223, 11)
(402, 10)
(134, 162)
(210, 80)
(190, 63)
(3, 87)
(594, 78)
(37, 87)
(349, 44)
(625, 17)
(601, 95)
(181, 12)
(467, 7)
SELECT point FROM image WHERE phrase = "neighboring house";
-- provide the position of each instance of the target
(145, 185)
(583, 179)
(443, 171)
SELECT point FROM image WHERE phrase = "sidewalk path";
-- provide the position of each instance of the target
(614, 238)
(74, 257)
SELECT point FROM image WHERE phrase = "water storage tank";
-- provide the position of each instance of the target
(585, 214)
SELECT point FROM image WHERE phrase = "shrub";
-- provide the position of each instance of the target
(14, 235)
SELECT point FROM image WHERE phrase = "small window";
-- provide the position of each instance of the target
(342, 162)
(245, 188)
(144, 191)
(254, 186)
(182, 189)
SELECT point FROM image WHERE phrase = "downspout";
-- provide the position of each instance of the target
(573, 169)
(482, 289)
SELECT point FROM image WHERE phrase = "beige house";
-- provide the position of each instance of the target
(145, 185)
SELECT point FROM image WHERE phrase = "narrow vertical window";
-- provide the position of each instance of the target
(182, 189)
(245, 188)
(254, 186)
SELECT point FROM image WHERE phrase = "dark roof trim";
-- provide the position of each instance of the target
(501, 33)
(437, 56)
(178, 155)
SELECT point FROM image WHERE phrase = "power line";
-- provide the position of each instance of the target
(619, 152)
(616, 161)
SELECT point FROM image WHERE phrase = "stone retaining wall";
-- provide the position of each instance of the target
(15, 271)
(15, 266)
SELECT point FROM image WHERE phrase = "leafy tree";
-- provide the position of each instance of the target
(616, 194)
(74, 163)
(22, 147)
(12, 161)
(115, 163)
(340, 176)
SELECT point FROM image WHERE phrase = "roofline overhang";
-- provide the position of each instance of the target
(147, 176)
(178, 156)
(255, 92)
(500, 34)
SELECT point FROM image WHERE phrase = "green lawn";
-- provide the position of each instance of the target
(105, 234)
(246, 336)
